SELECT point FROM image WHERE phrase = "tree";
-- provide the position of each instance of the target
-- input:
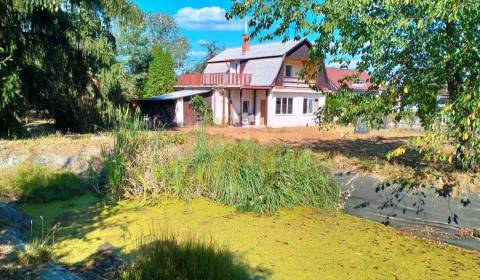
(161, 75)
(212, 49)
(413, 49)
(162, 30)
(135, 45)
(55, 57)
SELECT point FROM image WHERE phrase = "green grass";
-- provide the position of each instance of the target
(255, 177)
(36, 183)
(35, 252)
(166, 257)
(245, 174)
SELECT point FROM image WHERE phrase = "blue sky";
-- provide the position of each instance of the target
(200, 20)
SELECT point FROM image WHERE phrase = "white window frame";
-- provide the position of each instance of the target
(291, 71)
(284, 106)
(236, 69)
(310, 104)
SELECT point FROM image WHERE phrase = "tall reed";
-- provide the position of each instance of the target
(244, 174)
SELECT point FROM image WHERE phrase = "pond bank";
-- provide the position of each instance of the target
(423, 211)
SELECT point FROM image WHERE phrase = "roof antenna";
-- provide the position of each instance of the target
(246, 26)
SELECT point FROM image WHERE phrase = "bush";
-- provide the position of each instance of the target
(39, 184)
(244, 174)
(167, 258)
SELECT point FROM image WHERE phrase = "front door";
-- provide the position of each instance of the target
(263, 112)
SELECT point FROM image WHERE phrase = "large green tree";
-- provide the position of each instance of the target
(58, 56)
(414, 50)
(161, 73)
(135, 45)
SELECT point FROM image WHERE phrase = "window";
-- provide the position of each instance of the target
(284, 106)
(245, 106)
(288, 71)
(234, 67)
(310, 105)
(358, 82)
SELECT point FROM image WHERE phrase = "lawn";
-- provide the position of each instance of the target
(301, 243)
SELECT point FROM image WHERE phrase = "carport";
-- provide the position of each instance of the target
(172, 109)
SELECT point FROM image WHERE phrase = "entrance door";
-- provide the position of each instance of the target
(263, 112)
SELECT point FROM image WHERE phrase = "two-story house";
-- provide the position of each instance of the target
(254, 85)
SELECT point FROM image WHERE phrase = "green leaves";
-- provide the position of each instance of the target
(54, 58)
(417, 49)
(161, 74)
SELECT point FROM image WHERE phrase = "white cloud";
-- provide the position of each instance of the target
(206, 18)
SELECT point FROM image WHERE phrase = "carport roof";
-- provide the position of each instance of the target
(177, 94)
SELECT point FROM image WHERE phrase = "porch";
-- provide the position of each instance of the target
(242, 107)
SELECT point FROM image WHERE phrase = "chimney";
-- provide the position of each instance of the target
(245, 43)
(245, 39)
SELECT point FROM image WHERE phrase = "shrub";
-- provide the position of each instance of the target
(35, 183)
(198, 104)
(165, 257)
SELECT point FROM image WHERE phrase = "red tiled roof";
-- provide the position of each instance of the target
(336, 77)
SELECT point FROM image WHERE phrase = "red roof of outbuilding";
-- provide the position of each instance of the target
(337, 78)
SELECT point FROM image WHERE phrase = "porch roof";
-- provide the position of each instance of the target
(176, 94)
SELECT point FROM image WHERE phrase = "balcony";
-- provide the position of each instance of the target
(214, 79)
(296, 82)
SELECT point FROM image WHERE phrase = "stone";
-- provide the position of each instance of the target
(56, 272)
(11, 215)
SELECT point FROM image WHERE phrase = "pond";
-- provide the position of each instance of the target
(299, 243)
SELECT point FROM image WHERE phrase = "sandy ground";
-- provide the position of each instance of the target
(57, 151)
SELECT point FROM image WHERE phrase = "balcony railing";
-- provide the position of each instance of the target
(214, 79)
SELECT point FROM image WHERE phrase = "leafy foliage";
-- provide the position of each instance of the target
(347, 107)
(198, 104)
(65, 81)
(414, 50)
(136, 42)
(161, 76)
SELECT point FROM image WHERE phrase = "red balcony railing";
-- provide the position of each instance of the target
(214, 79)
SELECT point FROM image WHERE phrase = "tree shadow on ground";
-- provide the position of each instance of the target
(422, 209)
(78, 218)
(364, 149)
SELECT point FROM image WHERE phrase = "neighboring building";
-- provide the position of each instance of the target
(248, 86)
(347, 78)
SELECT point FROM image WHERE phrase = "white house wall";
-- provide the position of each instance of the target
(297, 118)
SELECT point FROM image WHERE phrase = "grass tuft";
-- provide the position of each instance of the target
(35, 253)
(39, 184)
(165, 257)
